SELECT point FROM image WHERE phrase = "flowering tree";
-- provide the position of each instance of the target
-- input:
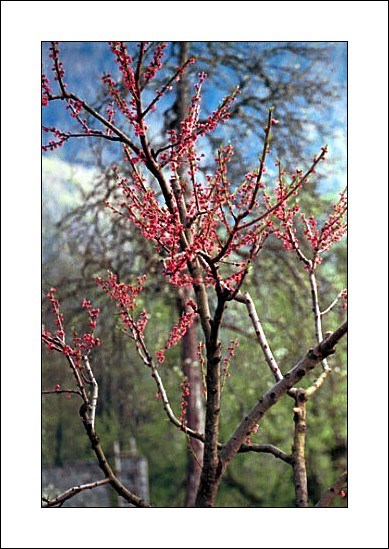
(208, 231)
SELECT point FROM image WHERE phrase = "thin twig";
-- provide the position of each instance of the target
(318, 383)
(59, 391)
(61, 498)
(247, 300)
(316, 312)
(330, 307)
(266, 449)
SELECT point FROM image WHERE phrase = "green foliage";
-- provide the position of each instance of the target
(128, 407)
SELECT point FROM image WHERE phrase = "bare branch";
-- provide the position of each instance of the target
(59, 391)
(316, 312)
(147, 359)
(247, 300)
(318, 383)
(105, 467)
(61, 498)
(333, 491)
(266, 449)
(330, 307)
(95, 392)
(167, 407)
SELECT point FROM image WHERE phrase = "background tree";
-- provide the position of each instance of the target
(221, 161)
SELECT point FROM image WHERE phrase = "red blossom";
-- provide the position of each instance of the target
(227, 359)
(184, 323)
(344, 296)
(213, 208)
(185, 392)
(215, 221)
(81, 345)
(333, 230)
(160, 356)
(125, 297)
(46, 90)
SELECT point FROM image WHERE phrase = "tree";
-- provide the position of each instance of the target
(301, 79)
(208, 231)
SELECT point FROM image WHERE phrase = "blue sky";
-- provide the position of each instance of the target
(85, 63)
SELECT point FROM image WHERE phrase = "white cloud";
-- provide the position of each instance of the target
(61, 184)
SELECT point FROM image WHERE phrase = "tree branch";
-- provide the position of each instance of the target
(318, 383)
(105, 467)
(298, 453)
(316, 310)
(332, 305)
(59, 391)
(61, 498)
(211, 465)
(247, 300)
(333, 491)
(266, 449)
(95, 392)
(311, 359)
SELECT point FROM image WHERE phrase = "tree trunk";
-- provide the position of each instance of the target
(195, 413)
(298, 453)
(212, 465)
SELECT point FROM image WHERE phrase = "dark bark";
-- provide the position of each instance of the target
(333, 491)
(211, 472)
(105, 467)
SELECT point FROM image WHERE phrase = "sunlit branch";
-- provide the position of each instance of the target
(297, 248)
(330, 307)
(316, 312)
(298, 451)
(271, 361)
(318, 383)
(95, 391)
